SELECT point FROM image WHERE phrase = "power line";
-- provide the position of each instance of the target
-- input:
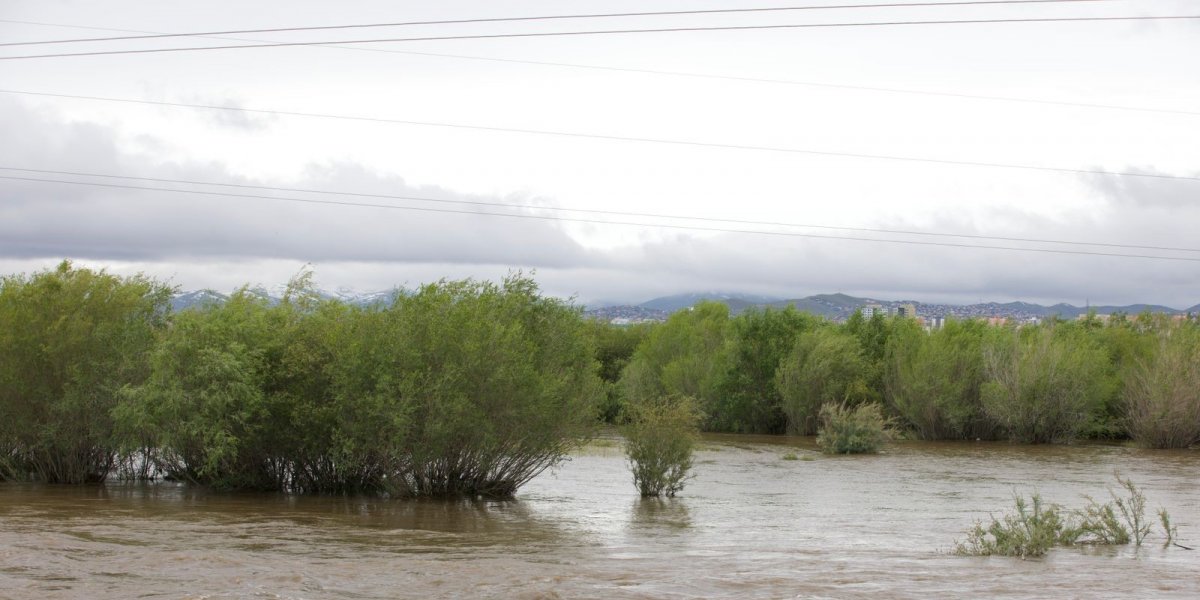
(551, 18)
(604, 222)
(688, 74)
(612, 32)
(591, 211)
(616, 138)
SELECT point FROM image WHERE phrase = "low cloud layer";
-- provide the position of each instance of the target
(216, 241)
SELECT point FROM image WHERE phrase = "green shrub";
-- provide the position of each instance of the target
(660, 437)
(1117, 522)
(934, 379)
(825, 366)
(682, 357)
(1031, 531)
(70, 339)
(858, 430)
(1162, 393)
(485, 385)
(747, 399)
(1036, 528)
(460, 389)
(1044, 384)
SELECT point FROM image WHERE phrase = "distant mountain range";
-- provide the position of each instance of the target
(842, 306)
(200, 298)
(831, 306)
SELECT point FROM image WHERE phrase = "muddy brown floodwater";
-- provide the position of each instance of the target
(750, 525)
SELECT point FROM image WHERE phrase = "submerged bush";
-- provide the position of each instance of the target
(660, 437)
(858, 430)
(1117, 522)
(1036, 527)
(70, 339)
(1031, 531)
(1162, 393)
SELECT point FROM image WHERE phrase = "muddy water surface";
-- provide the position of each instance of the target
(750, 525)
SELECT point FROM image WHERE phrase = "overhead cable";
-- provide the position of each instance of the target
(591, 211)
(543, 34)
(687, 74)
(617, 138)
(672, 13)
(604, 222)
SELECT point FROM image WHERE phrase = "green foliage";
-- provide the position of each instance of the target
(615, 345)
(1169, 530)
(660, 437)
(1035, 529)
(747, 399)
(859, 430)
(1032, 531)
(70, 339)
(933, 380)
(825, 366)
(1044, 383)
(498, 384)
(682, 357)
(463, 388)
(240, 395)
(1162, 391)
(1119, 521)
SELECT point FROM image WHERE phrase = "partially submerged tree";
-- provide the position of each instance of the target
(660, 437)
(70, 339)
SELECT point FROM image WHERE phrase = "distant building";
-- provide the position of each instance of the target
(906, 310)
(870, 310)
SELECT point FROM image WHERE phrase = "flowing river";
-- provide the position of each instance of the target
(750, 525)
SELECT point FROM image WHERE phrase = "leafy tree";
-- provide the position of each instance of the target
(934, 379)
(205, 407)
(497, 383)
(747, 399)
(825, 366)
(1044, 384)
(615, 345)
(682, 357)
(70, 339)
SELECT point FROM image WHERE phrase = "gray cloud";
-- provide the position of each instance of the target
(215, 241)
(43, 219)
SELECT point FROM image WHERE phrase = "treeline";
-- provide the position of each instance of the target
(772, 371)
(461, 388)
(473, 388)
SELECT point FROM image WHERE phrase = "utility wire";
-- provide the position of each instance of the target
(550, 18)
(688, 74)
(593, 211)
(603, 222)
(612, 32)
(617, 138)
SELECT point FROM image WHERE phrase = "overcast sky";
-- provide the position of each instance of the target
(197, 241)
